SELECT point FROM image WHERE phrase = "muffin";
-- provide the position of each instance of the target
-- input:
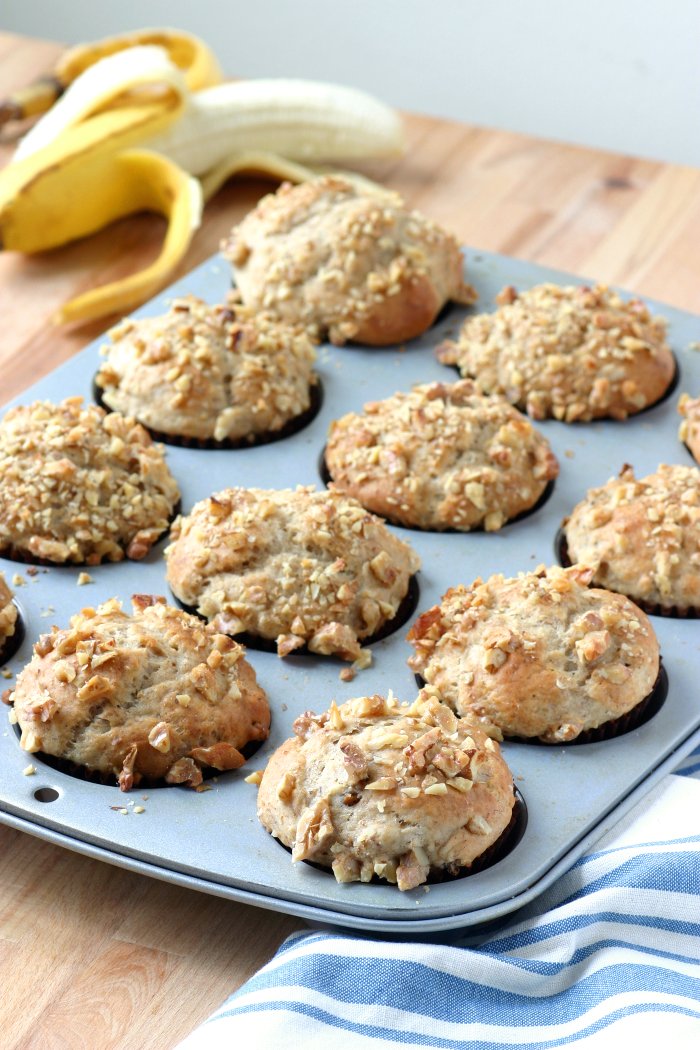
(642, 537)
(346, 262)
(294, 566)
(539, 656)
(209, 373)
(157, 694)
(8, 616)
(441, 457)
(572, 353)
(80, 485)
(378, 788)
(689, 430)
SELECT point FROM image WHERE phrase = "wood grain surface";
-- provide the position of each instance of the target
(96, 957)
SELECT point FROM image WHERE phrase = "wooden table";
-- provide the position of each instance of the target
(93, 956)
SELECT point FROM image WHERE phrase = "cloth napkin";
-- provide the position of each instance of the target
(609, 956)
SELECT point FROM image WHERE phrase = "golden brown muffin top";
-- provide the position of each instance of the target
(80, 485)
(375, 787)
(689, 430)
(441, 456)
(8, 612)
(297, 566)
(539, 655)
(574, 353)
(157, 693)
(221, 372)
(346, 262)
(642, 536)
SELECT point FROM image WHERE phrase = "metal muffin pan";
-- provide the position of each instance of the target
(212, 841)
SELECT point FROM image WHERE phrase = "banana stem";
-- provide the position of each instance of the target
(31, 100)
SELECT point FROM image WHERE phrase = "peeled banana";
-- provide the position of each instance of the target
(130, 134)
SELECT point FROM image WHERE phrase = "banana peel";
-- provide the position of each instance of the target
(148, 182)
(49, 199)
(190, 54)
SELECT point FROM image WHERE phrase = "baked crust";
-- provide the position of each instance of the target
(296, 566)
(156, 694)
(689, 430)
(573, 353)
(8, 612)
(541, 655)
(439, 457)
(78, 484)
(375, 787)
(208, 372)
(346, 262)
(642, 537)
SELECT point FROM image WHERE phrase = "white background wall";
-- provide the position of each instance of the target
(619, 74)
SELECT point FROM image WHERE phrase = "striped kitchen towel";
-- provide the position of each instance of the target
(609, 956)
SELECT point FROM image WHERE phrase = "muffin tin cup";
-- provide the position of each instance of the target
(409, 604)
(544, 497)
(268, 437)
(211, 840)
(636, 716)
(679, 612)
(20, 556)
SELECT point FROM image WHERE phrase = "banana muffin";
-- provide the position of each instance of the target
(539, 656)
(78, 484)
(8, 615)
(572, 353)
(155, 694)
(346, 262)
(441, 457)
(689, 431)
(294, 566)
(211, 373)
(642, 537)
(378, 788)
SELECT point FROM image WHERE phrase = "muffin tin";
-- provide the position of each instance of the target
(212, 840)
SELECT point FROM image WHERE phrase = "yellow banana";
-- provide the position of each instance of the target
(66, 190)
(129, 135)
(301, 120)
(190, 54)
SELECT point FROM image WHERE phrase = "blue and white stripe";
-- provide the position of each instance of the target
(609, 955)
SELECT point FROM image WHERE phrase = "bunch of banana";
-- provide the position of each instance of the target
(143, 122)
